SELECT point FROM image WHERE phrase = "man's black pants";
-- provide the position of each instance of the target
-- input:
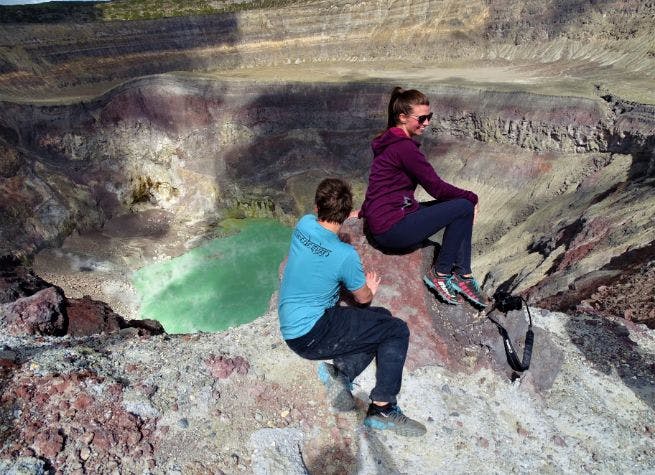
(352, 337)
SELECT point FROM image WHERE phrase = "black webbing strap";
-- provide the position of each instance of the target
(510, 352)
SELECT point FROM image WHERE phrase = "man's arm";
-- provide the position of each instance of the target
(365, 293)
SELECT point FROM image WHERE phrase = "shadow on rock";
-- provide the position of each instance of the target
(378, 455)
(335, 459)
(547, 358)
(607, 345)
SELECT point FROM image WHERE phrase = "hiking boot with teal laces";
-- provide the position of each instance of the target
(390, 417)
(442, 285)
(469, 288)
(338, 386)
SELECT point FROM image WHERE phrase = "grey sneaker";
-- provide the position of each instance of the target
(390, 417)
(338, 387)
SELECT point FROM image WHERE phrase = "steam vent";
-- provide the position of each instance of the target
(155, 155)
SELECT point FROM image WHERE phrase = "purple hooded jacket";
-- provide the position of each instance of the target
(398, 167)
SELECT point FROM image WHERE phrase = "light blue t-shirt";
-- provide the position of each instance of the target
(317, 266)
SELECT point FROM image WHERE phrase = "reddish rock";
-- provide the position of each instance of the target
(40, 314)
(7, 363)
(133, 438)
(103, 440)
(403, 292)
(559, 441)
(30, 305)
(221, 367)
(99, 422)
(48, 443)
(146, 327)
(582, 243)
(115, 389)
(522, 431)
(89, 317)
(82, 402)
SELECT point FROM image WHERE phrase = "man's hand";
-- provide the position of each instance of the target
(354, 214)
(373, 281)
(365, 294)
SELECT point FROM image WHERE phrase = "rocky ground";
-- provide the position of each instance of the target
(241, 402)
(630, 296)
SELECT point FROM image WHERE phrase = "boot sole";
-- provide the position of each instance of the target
(341, 399)
(404, 431)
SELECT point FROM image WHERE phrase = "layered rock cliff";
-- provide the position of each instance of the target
(611, 41)
(554, 173)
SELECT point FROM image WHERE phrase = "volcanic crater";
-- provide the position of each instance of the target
(125, 142)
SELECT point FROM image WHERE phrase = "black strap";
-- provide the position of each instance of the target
(510, 352)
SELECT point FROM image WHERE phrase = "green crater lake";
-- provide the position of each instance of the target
(221, 284)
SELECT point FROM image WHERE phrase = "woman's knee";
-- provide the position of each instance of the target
(465, 205)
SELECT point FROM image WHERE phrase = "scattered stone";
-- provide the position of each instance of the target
(559, 441)
(48, 443)
(85, 453)
(139, 406)
(520, 430)
(277, 451)
(23, 466)
(42, 313)
(221, 367)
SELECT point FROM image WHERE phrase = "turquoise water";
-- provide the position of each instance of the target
(224, 283)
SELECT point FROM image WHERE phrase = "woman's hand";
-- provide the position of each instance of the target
(373, 281)
(475, 214)
(354, 214)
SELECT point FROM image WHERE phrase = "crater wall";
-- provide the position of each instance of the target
(565, 183)
(38, 58)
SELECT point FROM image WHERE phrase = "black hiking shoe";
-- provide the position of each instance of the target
(338, 387)
(390, 417)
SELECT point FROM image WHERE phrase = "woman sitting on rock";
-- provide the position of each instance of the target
(397, 221)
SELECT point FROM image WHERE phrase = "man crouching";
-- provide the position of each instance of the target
(317, 328)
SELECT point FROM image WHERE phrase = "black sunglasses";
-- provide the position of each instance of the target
(422, 118)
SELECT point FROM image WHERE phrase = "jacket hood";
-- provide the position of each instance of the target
(389, 137)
